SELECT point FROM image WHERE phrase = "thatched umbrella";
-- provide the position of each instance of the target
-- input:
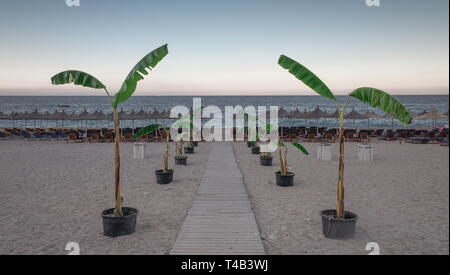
(33, 116)
(416, 116)
(434, 115)
(354, 115)
(283, 113)
(297, 114)
(4, 116)
(370, 115)
(316, 114)
(389, 116)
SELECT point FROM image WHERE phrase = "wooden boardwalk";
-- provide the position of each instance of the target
(220, 221)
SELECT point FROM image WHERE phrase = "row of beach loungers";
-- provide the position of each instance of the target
(304, 134)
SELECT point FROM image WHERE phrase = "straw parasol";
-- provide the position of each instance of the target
(370, 115)
(434, 115)
(354, 115)
(283, 113)
(4, 116)
(390, 116)
(316, 114)
(297, 114)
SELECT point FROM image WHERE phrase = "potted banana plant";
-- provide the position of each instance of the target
(165, 175)
(284, 177)
(266, 159)
(255, 148)
(339, 223)
(117, 221)
(180, 159)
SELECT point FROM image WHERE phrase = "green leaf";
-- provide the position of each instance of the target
(77, 78)
(146, 130)
(138, 72)
(306, 76)
(383, 101)
(300, 147)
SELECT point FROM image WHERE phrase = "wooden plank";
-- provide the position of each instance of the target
(220, 221)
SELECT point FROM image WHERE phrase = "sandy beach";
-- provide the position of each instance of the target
(52, 193)
(402, 199)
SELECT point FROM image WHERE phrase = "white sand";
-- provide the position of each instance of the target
(52, 193)
(402, 199)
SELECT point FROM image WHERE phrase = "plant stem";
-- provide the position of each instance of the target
(166, 154)
(281, 162)
(340, 207)
(118, 196)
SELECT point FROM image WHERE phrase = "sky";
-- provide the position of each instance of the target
(226, 47)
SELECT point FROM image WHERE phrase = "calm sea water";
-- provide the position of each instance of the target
(8, 104)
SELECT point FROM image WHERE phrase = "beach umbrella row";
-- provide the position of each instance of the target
(83, 115)
(316, 114)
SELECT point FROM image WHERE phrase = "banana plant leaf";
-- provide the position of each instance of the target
(306, 76)
(77, 78)
(146, 130)
(384, 101)
(138, 72)
(300, 147)
(296, 145)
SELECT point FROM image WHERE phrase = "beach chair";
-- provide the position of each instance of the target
(329, 137)
(25, 134)
(349, 136)
(73, 137)
(311, 137)
(364, 137)
(127, 136)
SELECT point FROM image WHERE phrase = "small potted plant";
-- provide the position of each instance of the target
(285, 178)
(189, 149)
(117, 221)
(255, 148)
(165, 175)
(266, 159)
(180, 159)
(338, 223)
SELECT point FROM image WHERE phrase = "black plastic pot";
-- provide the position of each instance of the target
(182, 160)
(285, 180)
(255, 151)
(164, 178)
(195, 143)
(188, 150)
(334, 228)
(249, 144)
(116, 226)
(266, 160)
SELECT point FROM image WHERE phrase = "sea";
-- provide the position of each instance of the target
(76, 104)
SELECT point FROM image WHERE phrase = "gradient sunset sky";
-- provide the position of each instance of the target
(226, 46)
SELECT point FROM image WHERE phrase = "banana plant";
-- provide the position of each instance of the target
(283, 155)
(153, 128)
(127, 89)
(281, 145)
(371, 96)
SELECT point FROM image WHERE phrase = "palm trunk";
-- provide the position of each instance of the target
(118, 196)
(340, 193)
